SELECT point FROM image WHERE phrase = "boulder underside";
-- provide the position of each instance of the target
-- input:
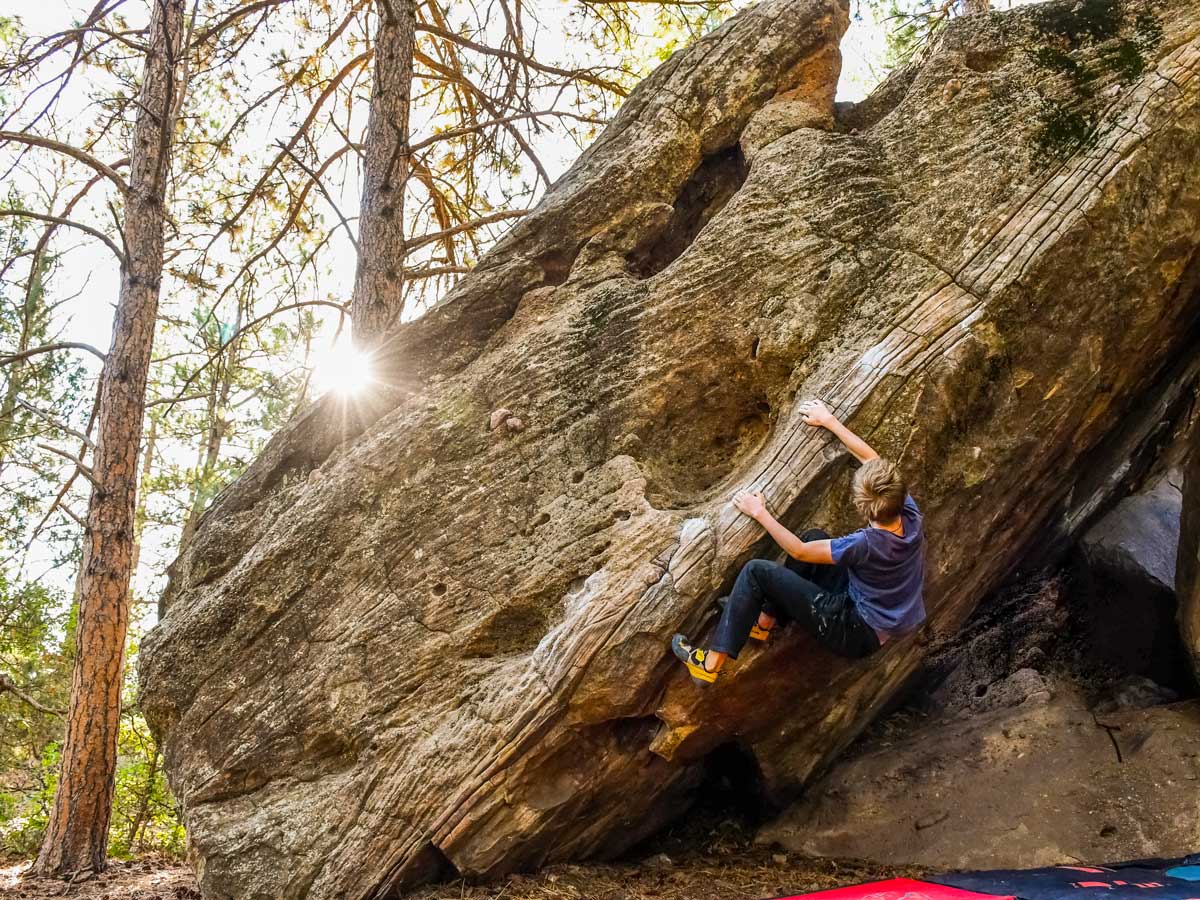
(405, 643)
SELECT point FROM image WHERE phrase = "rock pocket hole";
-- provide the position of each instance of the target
(556, 265)
(511, 629)
(984, 60)
(712, 425)
(576, 477)
(439, 589)
(754, 349)
(732, 787)
(718, 177)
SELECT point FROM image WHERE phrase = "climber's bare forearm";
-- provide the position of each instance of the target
(805, 551)
(858, 448)
(815, 412)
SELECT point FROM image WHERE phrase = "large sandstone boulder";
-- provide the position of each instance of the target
(405, 641)
(1060, 785)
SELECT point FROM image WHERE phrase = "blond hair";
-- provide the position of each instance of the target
(879, 490)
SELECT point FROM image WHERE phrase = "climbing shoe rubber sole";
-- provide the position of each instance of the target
(693, 658)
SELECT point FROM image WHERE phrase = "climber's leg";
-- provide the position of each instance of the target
(760, 589)
(840, 627)
(760, 586)
(828, 611)
(761, 629)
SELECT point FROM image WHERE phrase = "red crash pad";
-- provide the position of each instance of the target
(898, 889)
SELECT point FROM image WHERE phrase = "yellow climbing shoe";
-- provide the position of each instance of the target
(758, 634)
(693, 658)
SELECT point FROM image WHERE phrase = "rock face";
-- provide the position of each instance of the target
(1128, 566)
(1187, 566)
(1123, 787)
(1135, 544)
(405, 641)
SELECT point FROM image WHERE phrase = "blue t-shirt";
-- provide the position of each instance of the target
(887, 572)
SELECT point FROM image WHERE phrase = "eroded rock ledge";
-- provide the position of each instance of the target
(404, 641)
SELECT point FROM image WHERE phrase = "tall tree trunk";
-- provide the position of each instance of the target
(379, 282)
(77, 833)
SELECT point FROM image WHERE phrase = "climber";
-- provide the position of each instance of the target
(853, 593)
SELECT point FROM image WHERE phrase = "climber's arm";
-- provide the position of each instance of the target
(751, 503)
(817, 413)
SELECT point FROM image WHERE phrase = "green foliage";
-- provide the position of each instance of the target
(676, 27)
(36, 652)
(33, 657)
(145, 816)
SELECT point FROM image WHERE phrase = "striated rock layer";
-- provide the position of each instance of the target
(405, 641)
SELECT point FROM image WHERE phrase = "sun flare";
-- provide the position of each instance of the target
(342, 369)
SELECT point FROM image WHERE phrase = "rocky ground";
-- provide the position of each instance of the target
(727, 866)
(152, 878)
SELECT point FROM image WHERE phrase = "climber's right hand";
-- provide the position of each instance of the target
(815, 412)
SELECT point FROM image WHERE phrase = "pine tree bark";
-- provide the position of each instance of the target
(77, 833)
(379, 282)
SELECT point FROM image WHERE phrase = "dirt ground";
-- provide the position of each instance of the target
(751, 876)
(728, 867)
(140, 879)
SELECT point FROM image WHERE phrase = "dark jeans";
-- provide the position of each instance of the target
(812, 594)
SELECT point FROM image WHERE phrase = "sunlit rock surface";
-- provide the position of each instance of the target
(405, 641)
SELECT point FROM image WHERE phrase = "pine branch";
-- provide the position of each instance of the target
(48, 348)
(80, 465)
(7, 684)
(70, 223)
(33, 140)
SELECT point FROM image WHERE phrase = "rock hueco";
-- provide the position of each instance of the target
(404, 644)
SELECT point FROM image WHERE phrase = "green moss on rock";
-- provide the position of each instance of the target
(1085, 44)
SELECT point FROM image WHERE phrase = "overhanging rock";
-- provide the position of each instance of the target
(403, 641)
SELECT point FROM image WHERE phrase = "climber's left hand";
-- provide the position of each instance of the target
(751, 503)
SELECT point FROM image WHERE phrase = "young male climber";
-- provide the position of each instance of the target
(853, 593)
